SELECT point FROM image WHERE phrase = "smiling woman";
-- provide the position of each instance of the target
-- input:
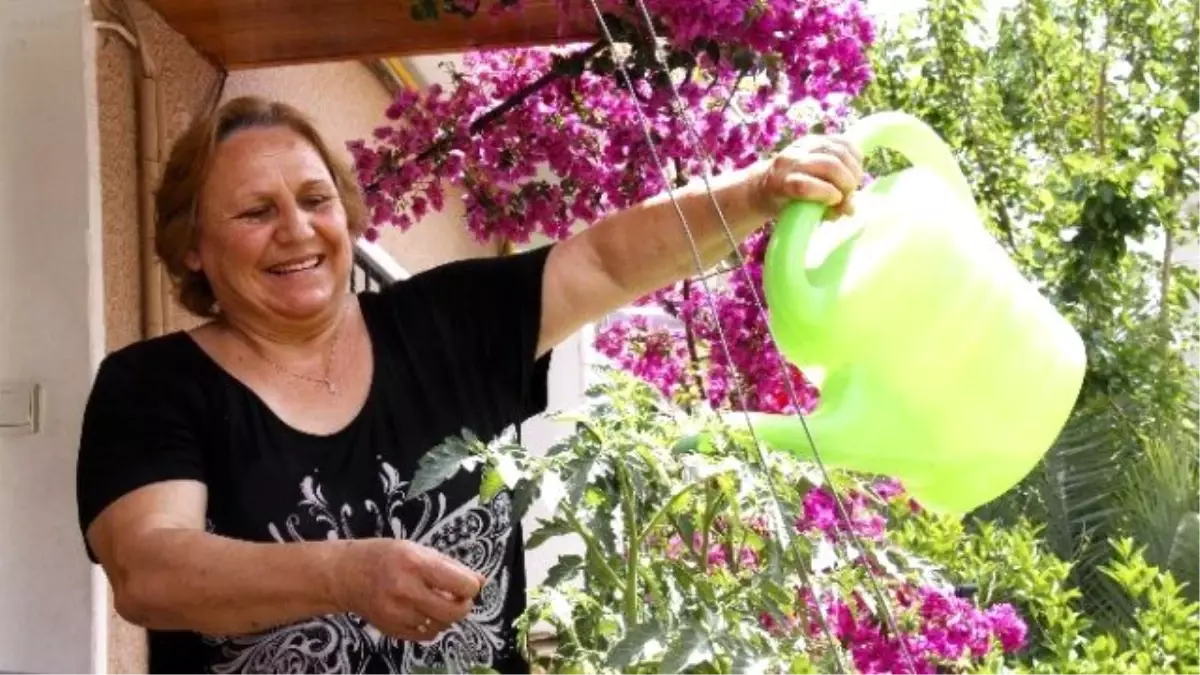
(235, 177)
(245, 484)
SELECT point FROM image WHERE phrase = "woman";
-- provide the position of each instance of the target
(243, 484)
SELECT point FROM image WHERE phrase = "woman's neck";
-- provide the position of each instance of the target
(294, 340)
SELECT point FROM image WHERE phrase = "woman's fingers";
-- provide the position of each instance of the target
(443, 573)
(849, 153)
(809, 188)
(822, 169)
(407, 623)
(441, 606)
(830, 161)
(403, 588)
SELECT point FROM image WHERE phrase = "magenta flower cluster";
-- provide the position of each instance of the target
(938, 630)
(821, 514)
(752, 375)
(575, 151)
(949, 630)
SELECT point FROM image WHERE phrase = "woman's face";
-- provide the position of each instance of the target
(273, 240)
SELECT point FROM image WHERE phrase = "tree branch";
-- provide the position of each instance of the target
(568, 66)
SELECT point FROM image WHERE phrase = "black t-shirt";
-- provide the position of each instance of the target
(454, 347)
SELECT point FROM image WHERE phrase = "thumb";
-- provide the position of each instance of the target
(444, 573)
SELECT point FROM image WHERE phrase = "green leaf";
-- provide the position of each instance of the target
(580, 473)
(547, 531)
(490, 485)
(656, 468)
(508, 470)
(640, 643)
(567, 566)
(1184, 552)
(690, 647)
(438, 465)
(694, 444)
(747, 662)
(560, 610)
(524, 495)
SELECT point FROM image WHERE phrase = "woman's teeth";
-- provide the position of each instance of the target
(299, 266)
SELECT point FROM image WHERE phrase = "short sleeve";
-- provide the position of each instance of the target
(485, 316)
(139, 427)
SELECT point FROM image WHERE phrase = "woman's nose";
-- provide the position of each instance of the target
(293, 223)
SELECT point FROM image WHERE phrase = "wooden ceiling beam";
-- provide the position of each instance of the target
(240, 34)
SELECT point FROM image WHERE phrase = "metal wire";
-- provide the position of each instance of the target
(790, 387)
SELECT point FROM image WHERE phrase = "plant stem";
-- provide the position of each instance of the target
(690, 336)
(593, 547)
(709, 511)
(633, 543)
(665, 510)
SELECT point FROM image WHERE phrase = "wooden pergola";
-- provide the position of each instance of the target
(240, 34)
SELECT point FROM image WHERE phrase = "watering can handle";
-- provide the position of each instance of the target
(914, 139)
(786, 282)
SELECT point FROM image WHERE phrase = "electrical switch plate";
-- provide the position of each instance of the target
(19, 407)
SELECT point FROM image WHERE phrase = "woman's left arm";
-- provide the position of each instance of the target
(644, 248)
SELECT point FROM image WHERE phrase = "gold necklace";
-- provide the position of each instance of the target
(326, 381)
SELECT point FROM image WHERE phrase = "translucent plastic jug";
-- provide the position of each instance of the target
(943, 366)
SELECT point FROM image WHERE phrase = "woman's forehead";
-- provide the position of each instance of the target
(251, 158)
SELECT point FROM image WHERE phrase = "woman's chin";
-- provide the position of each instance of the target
(305, 305)
(301, 297)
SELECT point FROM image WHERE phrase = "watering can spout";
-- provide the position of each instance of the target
(830, 434)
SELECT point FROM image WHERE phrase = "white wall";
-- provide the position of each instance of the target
(50, 330)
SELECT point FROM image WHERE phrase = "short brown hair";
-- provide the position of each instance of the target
(176, 225)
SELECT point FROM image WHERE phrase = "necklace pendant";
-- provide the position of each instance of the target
(331, 387)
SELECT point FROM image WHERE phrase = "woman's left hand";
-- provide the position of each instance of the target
(816, 168)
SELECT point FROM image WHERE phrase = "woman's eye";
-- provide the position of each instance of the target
(257, 213)
(316, 200)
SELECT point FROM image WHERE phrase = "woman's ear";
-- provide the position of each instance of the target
(192, 261)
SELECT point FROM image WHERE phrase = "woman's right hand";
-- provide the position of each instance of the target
(406, 590)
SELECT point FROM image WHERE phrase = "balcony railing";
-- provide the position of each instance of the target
(373, 269)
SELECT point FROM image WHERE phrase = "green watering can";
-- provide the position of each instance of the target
(943, 366)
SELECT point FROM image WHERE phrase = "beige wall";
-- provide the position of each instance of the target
(186, 79)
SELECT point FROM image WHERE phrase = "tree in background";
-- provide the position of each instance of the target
(1071, 120)
(541, 141)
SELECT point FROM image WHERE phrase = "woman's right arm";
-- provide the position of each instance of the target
(167, 573)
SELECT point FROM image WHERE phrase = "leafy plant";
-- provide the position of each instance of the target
(697, 558)
(1009, 564)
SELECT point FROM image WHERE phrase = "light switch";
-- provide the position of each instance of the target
(19, 403)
